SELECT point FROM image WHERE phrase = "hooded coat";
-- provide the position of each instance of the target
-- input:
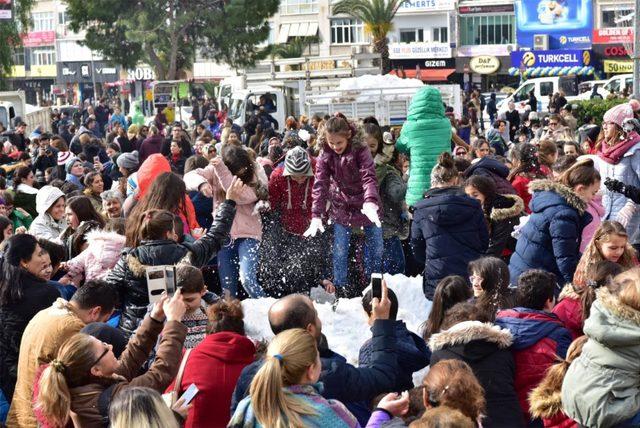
(425, 134)
(569, 310)
(546, 402)
(602, 386)
(490, 167)
(448, 231)
(505, 214)
(393, 190)
(485, 348)
(550, 240)
(100, 256)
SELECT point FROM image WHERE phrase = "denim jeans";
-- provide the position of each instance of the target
(239, 261)
(372, 251)
(393, 256)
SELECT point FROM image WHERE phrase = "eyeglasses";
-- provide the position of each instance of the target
(106, 351)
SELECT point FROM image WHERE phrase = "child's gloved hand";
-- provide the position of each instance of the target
(371, 211)
(315, 227)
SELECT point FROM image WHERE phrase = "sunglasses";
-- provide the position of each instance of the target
(105, 352)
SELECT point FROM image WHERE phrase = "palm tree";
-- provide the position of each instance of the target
(377, 16)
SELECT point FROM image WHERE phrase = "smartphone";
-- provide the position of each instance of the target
(189, 394)
(170, 279)
(156, 283)
(376, 285)
(96, 159)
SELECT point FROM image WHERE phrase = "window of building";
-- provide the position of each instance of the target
(441, 35)
(43, 21)
(409, 35)
(18, 57)
(487, 29)
(297, 7)
(43, 56)
(347, 31)
(612, 13)
(63, 18)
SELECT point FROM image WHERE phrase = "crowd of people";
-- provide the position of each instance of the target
(525, 234)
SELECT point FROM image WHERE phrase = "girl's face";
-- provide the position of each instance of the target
(8, 232)
(586, 145)
(613, 248)
(77, 169)
(483, 150)
(338, 142)
(476, 283)
(30, 179)
(609, 129)
(97, 186)
(110, 152)
(72, 218)
(37, 263)
(3, 210)
(474, 193)
(372, 142)
(57, 209)
(47, 271)
(587, 193)
(175, 148)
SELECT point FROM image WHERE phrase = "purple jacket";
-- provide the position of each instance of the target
(346, 181)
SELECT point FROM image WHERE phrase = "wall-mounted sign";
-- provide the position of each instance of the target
(141, 73)
(412, 6)
(498, 8)
(5, 10)
(484, 64)
(82, 71)
(424, 64)
(617, 66)
(477, 50)
(559, 58)
(38, 38)
(613, 35)
(106, 70)
(419, 50)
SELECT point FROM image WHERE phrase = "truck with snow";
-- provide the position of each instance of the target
(12, 105)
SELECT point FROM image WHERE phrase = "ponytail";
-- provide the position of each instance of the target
(152, 224)
(289, 355)
(581, 173)
(445, 170)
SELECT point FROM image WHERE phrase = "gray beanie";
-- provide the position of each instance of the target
(46, 197)
(69, 163)
(129, 160)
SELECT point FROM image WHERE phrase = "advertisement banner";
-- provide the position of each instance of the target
(412, 6)
(5, 10)
(419, 50)
(568, 23)
(476, 50)
(619, 67)
(557, 58)
(34, 39)
(613, 35)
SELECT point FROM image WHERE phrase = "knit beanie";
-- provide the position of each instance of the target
(69, 163)
(46, 197)
(128, 160)
(297, 162)
(63, 157)
(618, 114)
(193, 181)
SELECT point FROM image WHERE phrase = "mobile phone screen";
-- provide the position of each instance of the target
(170, 280)
(376, 285)
(189, 394)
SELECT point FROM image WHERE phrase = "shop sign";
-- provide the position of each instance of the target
(610, 51)
(319, 65)
(556, 58)
(484, 64)
(141, 73)
(419, 50)
(412, 6)
(478, 50)
(5, 10)
(38, 38)
(106, 70)
(619, 67)
(613, 35)
(409, 64)
(498, 8)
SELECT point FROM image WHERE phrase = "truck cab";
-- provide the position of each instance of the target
(244, 102)
(542, 87)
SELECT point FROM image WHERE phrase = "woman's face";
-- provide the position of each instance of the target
(77, 169)
(97, 186)
(483, 150)
(609, 129)
(37, 263)
(3, 210)
(613, 248)
(108, 363)
(47, 272)
(175, 148)
(372, 142)
(72, 218)
(474, 193)
(233, 138)
(110, 152)
(57, 211)
(338, 142)
(587, 193)
(112, 207)
(476, 283)
(29, 179)
(8, 231)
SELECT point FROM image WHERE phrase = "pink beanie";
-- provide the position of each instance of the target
(619, 113)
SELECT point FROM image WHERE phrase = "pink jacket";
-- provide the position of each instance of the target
(246, 223)
(98, 259)
(596, 210)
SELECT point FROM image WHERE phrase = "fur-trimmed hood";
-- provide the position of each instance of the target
(569, 292)
(467, 331)
(612, 303)
(545, 400)
(563, 191)
(516, 209)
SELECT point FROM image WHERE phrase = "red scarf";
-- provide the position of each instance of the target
(613, 154)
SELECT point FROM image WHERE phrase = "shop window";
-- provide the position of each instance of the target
(298, 7)
(410, 35)
(347, 32)
(441, 35)
(487, 29)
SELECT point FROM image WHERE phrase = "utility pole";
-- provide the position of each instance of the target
(636, 51)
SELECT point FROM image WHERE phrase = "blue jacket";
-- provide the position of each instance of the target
(341, 380)
(413, 355)
(550, 240)
(448, 231)
(491, 167)
(203, 207)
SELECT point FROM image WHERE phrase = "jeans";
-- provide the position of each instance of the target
(393, 256)
(372, 252)
(239, 260)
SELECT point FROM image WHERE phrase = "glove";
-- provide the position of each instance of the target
(315, 227)
(626, 213)
(371, 211)
(614, 185)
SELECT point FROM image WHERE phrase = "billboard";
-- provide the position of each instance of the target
(5, 10)
(613, 35)
(558, 58)
(568, 23)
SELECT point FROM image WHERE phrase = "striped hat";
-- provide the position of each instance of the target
(297, 162)
(63, 157)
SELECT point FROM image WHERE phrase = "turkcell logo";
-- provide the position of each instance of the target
(562, 58)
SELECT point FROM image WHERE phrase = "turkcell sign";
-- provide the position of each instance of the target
(564, 58)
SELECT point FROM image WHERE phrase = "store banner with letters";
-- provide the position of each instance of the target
(555, 58)
(615, 35)
(617, 67)
(412, 6)
(419, 50)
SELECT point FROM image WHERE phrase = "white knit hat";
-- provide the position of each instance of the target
(46, 197)
(193, 181)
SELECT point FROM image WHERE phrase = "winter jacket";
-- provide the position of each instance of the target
(20, 219)
(203, 207)
(506, 211)
(150, 146)
(413, 355)
(118, 118)
(596, 210)
(44, 226)
(490, 167)
(292, 200)
(25, 198)
(485, 348)
(425, 134)
(626, 170)
(538, 337)
(550, 240)
(327, 413)
(521, 185)
(177, 164)
(602, 386)
(101, 255)
(448, 231)
(129, 272)
(546, 403)
(14, 317)
(346, 181)
(246, 224)
(393, 190)
(497, 142)
(74, 146)
(42, 338)
(569, 310)
(341, 380)
(214, 366)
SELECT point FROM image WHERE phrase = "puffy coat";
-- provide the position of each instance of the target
(602, 386)
(521, 185)
(596, 210)
(44, 226)
(506, 211)
(101, 255)
(448, 231)
(491, 167)
(292, 200)
(485, 348)
(538, 337)
(425, 134)
(392, 193)
(37, 295)
(413, 355)
(346, 181)
(569, 310)
(546, 403)
(550, 240)
(215, 366)
(129, 272)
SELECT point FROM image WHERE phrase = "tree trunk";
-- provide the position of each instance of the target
(155, 61)
(381, 46)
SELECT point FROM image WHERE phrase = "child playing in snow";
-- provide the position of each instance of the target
(345, 177)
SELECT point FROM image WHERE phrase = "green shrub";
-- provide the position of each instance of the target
(595, 108)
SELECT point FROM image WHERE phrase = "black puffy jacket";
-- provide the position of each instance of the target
(129, 272)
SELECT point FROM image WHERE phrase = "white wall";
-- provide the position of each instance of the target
(425, 21)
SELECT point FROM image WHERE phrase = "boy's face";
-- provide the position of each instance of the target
(193, 300)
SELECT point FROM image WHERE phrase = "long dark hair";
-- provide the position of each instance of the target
(84, 210)
(20, 175)
(451, 290)
(4, 223)
(528, 163)
(487, 187)
(19, 248)
(495, 283)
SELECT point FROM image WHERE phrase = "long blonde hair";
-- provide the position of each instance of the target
(628, 286)
(141, 408)
(289, 356)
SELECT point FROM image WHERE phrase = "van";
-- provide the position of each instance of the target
(542, 88)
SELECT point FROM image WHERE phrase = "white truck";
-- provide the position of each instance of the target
(13, 105)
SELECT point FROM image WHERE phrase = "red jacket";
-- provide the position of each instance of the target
(292, 200)
(214, 366)
(569, 310)
(521, 184)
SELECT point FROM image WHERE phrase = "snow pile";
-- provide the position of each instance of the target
(369, 87)
(346, 328)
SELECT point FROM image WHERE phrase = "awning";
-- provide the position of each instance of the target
(297, 29)
(552, 71)
(283, 35)
(427, 75)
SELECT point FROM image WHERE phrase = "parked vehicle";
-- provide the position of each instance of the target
(542, 87)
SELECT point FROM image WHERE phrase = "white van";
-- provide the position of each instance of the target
(615, 84)
(542, 87)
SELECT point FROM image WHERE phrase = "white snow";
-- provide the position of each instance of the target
(346, 328)
(370, 87)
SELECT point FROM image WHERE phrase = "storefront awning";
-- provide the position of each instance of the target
(552, 71)
(427, 75)
(297, 29)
